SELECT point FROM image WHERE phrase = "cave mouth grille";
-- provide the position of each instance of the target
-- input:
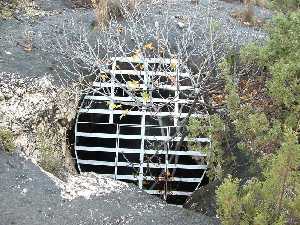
(133, 137)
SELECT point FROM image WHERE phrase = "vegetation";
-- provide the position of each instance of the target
(7, 140)
(50, 158)
(110, 9)
(262, 123)
(285, 5)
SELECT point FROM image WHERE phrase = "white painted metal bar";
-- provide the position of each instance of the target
(150, 152)
(158, 192)
(151, 165)
(134, 137)
(141, 86)
(117, 152)
(140, 113)
(112, 95)
(149, 178)
(130, 99)
(142, 60)
(142, 151)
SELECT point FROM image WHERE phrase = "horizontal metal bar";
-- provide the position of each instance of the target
(145, 165)
(140, 113)
(144, 60)
(141, 86)
(149, 73)
(130, 99)
(133, 137)
(128, 150)
(184, 193)
(149, 178)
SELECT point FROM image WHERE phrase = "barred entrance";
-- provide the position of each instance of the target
(130, 127)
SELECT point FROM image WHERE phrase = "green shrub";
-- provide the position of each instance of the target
(285, 5)
(274, 199)
(272, 195)
(7, 139)
(50, 158)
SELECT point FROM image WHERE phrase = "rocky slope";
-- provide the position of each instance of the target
(21, 44)
(30, 196)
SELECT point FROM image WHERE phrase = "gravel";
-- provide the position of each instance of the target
(13, 57)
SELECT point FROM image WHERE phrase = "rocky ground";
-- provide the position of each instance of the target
(30, 196)
(21, 42)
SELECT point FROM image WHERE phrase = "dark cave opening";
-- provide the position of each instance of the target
(99, 143)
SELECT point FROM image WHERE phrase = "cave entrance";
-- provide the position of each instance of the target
(130, 125)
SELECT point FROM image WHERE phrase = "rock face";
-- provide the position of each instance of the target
(31, 196)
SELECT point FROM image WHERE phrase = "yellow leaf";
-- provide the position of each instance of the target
(137, 54)
(104, 77)
(149, 46)
(125, 112)
(173, 64)
(142, 66)
(146, 96)
(114, 106)
(133, 85)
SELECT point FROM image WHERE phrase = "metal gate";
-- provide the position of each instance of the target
(128, 127)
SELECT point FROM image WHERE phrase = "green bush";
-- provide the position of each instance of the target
(285, 5)
(50, 158)
(7, 139)
(272, 195)
(272, 200)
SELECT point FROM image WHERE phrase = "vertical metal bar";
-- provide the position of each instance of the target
(166, 166)
(112, 91)
(117, 151)
(143, 124)
(176, 96)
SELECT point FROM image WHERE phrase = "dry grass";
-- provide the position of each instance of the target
(195, 2)
(247, 15)
(261, 3)
(111, 9)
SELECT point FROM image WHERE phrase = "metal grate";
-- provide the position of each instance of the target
(133, 137)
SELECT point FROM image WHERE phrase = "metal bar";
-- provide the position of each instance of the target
(150, 165)
(133, 137)
(166, 87)
(140, 113)
(117, 152)
(130, 150)
(150, 60)
(158, 192)
(130, 99)
(149, 178)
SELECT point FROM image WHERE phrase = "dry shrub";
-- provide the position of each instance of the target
(261, 3)
(247, 15)
(106, 10)
(101, 12)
